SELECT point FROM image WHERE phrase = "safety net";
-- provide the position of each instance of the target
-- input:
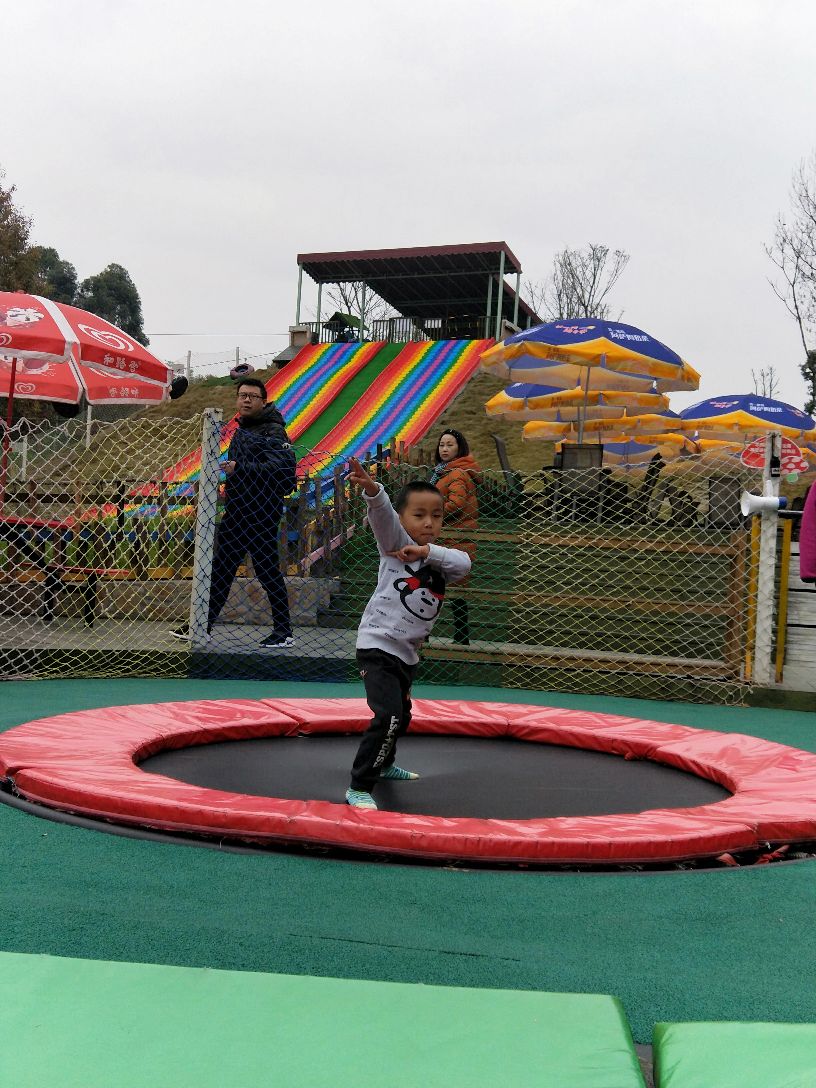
(132, 548)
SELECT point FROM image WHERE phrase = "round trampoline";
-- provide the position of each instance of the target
(501, 782)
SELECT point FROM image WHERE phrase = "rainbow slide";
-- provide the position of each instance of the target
(302, 390)
(305, 388)
(408, 390)
(402, 403)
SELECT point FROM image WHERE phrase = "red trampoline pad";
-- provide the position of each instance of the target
(87, 762)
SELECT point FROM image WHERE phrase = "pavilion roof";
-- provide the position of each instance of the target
(423, 281)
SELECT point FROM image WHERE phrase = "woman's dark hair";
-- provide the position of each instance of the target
(413, 488)
(256, 383)
(461, 442)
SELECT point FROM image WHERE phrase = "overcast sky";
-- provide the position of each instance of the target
(203, 145)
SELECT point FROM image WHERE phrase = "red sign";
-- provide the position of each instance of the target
(791, 460)
(753, 456)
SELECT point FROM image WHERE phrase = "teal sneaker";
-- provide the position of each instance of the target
(360, 799)
(399, 774)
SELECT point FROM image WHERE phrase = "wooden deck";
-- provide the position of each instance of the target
(799, 672)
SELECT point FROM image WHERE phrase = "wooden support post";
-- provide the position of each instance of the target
(301, 510)
(141, 549)
(318, 515)
(782, 610)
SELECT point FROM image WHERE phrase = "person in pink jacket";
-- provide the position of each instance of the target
(807, 538)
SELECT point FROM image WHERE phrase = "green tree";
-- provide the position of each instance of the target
(16, 262)
(808, 371)
(55, 277)
(112, 294)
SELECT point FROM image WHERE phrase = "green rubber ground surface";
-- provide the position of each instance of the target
(724, 945)
(97, 1024)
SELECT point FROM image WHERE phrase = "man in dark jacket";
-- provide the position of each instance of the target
(260, 471)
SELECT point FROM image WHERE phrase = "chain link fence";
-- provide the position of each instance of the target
(116, 559)
(96, 548)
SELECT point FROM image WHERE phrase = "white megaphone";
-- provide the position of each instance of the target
(761, 504)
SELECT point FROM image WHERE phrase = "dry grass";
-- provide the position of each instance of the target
(200, 396)
(466, 414)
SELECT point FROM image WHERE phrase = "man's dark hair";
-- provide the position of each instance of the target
(461, 442)
(413, 488)
(255, 382)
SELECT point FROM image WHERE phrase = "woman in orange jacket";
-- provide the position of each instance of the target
(456, 474)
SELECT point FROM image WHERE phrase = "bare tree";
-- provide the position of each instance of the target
(534, 293)
(578, 284)
(793, 251)
(364, 305)
(766, 383)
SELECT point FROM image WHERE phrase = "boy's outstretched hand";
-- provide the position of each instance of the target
(359, 477)
(410, 553)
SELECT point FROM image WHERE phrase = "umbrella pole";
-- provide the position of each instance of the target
(582, 415)
(7, 431)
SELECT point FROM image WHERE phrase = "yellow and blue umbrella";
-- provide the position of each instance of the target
(525, 401)
(562, 352)
(626, 426)
(638, 452)
(748, 415)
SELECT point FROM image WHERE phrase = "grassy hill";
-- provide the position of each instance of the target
(466, 414)
(207, 393)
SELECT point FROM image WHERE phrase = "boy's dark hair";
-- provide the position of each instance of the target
(461, 442)
(256, 383)
(413, 488)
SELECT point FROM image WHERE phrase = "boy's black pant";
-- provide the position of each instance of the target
(387, 682)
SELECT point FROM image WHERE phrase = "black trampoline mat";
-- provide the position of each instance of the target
(498, 778)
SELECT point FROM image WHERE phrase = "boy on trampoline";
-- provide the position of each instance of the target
(414, 571)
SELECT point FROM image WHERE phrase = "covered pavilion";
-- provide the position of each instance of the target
(439, 292)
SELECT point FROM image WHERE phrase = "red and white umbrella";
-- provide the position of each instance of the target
(50, 351)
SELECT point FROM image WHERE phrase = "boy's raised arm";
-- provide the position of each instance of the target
(382, 517)
(360, 478)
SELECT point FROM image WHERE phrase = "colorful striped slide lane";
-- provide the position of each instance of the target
(301, 391)
(319, 372)
(403, 403)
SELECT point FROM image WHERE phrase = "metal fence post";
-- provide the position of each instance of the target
(206, 509)
(766, 583)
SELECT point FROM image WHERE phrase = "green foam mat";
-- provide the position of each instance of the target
(72, 1023)
(735, 1055)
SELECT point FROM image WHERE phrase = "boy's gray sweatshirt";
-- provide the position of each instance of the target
(408, 597)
